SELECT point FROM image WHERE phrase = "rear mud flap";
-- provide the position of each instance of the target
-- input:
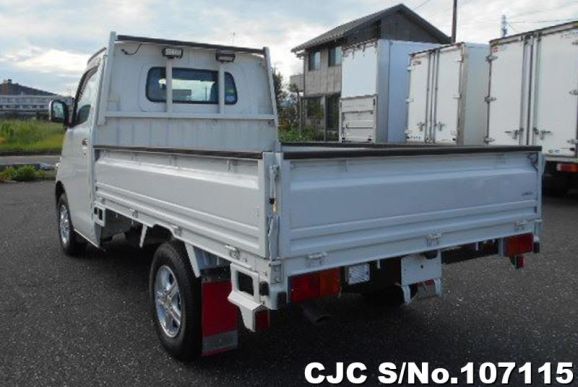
(219, 319)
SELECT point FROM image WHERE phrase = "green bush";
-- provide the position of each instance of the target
(23, 173)
(294, 135)
(7, 174)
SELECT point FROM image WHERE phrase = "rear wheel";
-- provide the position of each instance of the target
(70, 242)
(175, 295)
(392, 296)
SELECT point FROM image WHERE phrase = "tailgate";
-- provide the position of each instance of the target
(358, 118)
(361, 208)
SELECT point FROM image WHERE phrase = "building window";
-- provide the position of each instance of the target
(335, 55)
(314, 60)
(190, 86)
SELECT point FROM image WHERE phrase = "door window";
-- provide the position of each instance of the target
(85, 97)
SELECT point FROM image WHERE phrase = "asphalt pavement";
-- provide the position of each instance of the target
(32, 159)
(87, 320)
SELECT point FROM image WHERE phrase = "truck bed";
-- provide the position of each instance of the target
(346, 202)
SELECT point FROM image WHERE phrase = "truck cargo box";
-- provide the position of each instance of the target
(446, 95)
(533, 96)
(374, 90)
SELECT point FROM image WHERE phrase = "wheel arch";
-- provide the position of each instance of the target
(58, 190)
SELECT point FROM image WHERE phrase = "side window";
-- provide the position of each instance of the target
(190, 86)
(85, 99)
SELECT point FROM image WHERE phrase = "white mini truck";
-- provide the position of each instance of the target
(174, 144)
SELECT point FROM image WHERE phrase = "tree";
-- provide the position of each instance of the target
(280, 94)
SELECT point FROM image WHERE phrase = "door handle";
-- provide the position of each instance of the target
(84, 142)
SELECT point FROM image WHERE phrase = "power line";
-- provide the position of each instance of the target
(421, 5)
(542, 21)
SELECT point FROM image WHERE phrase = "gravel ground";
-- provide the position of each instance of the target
(87, 320)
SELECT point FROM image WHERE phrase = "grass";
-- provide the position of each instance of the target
(30, 136)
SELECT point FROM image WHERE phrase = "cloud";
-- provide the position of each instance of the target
(36, 59)
(45, 43)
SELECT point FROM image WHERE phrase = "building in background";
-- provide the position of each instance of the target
(25, 102)
(320, 82)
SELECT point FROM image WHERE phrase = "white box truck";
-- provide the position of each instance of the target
(374, 81)
(533, 98)
(174, 144)
(446, 99)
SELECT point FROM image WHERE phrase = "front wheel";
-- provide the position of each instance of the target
(175, 295)
(70, 242)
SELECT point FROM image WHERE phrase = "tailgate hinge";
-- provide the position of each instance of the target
(573, 141)
(574, 92)
(489, 139)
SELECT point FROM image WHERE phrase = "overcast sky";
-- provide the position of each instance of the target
(45, 43)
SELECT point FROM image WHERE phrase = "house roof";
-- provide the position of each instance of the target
(342, 30)
(7, 87)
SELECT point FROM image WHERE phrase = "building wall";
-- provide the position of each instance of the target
(326, 80)
(27, 105)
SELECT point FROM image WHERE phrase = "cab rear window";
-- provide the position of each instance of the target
(190, 86)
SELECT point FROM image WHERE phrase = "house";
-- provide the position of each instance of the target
(22, 101)
(320, 82)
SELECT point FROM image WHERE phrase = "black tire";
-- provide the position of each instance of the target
(72, 244)
(186, 343)
(391, 296)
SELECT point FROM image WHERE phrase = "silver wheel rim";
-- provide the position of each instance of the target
(168, 301)
(64, 224)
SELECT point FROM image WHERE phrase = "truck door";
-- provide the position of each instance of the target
(418, 98)
(508, 93)
(77, 155)
(447, 95)
(556, 94)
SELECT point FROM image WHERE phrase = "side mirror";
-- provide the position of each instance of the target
(58, 112)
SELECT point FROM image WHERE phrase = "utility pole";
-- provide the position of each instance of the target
(504, 26)
(454, 21)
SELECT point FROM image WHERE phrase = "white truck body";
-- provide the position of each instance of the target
(447, 90)
(533, 93)
(214, 177)
(374, 90)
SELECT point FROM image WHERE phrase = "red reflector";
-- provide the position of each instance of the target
(262, 320)
(519, 245)
(562, 167)
(315, 285)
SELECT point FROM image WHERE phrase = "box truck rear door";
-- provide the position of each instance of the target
(556, 93)
(447, 96)
(419, 97)
(507, 93)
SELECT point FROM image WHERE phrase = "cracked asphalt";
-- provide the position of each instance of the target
(86, 321)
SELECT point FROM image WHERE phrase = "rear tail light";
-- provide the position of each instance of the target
(562, 167)
(519, 244)
(315, 285)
